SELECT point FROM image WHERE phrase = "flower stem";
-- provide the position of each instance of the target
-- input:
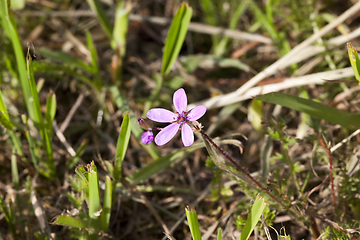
(241, 169)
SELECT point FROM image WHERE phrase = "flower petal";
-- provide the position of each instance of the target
(187, 135)
(161, 115)
(166, 134)
(196, 113)
(180, 100)
(147, 137)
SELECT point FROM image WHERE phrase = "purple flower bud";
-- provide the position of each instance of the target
(147, 137)
(144, 124)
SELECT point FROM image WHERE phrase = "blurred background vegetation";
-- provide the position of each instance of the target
(75, 75)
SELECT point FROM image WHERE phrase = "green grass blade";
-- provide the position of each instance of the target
(81, 172)
(219, 234)
(95, 5)
(12, 34)
(49, 153)
(17, 144)
(109, 168)
(266, 21)
(5, 211)
(5, 121)
(263, 18)
(315, 109)
(83, 179)
(120, 28)
(123, 105)
(255, 110)
(122, 145)
(68, 221)
(34, 156)
(9, 217)
(193, 223)
(254, 216)
(14, 169)
(221, 47)
(3, 108)
(93, 52)
(354, 60)
(94, 196)
(31, 149)
(269, 12)
(106, 212)
(211, 13)
(79, 152)
(50, 113)
(175, 37)
(67, 59)
(39, 85)
(17, 4)
(38, 120)
(265, 154)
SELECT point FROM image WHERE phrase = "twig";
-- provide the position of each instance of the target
(331, 171)
(333, 224)
(71, 113)
(345, 140)
(39, 210)
(62, 139)
(313, 190)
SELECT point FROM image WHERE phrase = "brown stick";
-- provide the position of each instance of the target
(331, 171)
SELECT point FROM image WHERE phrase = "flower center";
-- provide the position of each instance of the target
(181, 118)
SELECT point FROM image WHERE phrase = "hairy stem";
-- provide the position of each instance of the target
(241, 169)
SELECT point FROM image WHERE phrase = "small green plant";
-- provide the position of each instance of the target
(248, 227)
(98, 216)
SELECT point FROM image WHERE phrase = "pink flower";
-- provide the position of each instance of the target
(179, 120)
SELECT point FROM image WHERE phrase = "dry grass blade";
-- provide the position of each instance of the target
(316, 78)
(284, 61)
(194, 27)
(62, 139)
(39, 211)
(71, 113)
